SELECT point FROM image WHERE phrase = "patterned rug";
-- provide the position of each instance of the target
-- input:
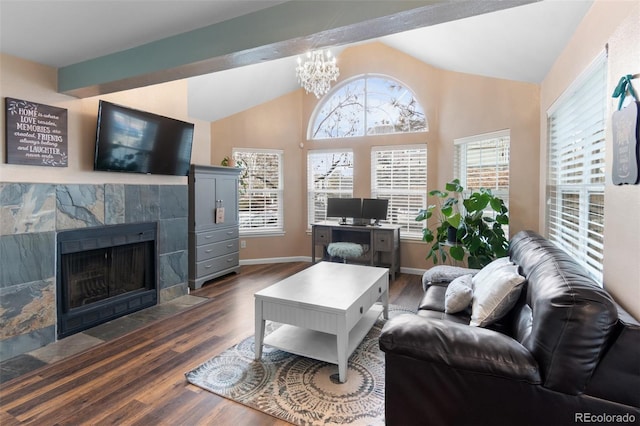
(300, 390)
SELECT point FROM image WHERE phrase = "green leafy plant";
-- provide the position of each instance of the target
(479, 237)
(241, 164)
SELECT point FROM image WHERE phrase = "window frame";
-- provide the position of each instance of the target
(409, 191)
(571, 169)
(461, 170)
(311, 191)
(318, 109)
(262, 231)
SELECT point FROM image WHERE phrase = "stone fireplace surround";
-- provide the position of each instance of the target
(30, 216)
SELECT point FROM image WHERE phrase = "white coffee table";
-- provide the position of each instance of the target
(327, 310)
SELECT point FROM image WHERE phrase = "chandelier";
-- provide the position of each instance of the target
(317, 72)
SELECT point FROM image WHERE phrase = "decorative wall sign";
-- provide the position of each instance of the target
(36, 134)
(626, 145)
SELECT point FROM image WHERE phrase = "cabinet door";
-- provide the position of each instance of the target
(205, 196)
(227, 194)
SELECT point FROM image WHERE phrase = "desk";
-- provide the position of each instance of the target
(383, 242)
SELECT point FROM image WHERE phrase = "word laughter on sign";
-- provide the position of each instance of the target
(36, 134)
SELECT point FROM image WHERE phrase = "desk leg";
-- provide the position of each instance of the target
(259, 338)
(343, 343)
(313, 244)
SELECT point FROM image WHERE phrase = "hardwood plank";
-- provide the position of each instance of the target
(138, 379)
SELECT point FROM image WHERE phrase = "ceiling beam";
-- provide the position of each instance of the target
(280, 31)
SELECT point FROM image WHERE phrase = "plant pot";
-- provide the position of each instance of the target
(451, 235)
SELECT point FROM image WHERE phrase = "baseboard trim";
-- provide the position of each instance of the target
(265, 260)
(412, 271)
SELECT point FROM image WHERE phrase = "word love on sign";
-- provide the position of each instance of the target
(36, 134)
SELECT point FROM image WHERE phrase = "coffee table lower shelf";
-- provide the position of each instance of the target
(319, 345)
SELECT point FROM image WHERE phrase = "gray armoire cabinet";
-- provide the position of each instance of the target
(213, 233)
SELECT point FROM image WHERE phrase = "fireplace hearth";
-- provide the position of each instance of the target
(104, 273)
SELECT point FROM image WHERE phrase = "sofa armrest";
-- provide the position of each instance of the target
(444, 274)
(459, 346)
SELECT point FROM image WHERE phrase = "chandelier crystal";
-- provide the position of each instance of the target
(317, 72)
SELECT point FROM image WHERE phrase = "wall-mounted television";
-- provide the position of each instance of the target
(129, 140)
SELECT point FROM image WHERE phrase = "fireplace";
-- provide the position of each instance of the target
(104, 273)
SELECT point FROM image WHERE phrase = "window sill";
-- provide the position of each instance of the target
(260, 234)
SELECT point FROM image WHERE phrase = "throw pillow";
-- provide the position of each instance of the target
(495, 295)
(491, 268)
(444, 274)
(458, 295)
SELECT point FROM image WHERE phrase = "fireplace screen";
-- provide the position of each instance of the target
(104, 273)
(96, 275)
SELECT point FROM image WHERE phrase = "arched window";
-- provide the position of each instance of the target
(367, 105)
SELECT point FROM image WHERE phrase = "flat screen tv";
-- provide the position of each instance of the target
(128, 140)
(344, 207)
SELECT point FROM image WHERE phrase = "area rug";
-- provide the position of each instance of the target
(300, 390)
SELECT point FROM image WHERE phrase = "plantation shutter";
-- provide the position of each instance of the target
(329, 175)
(399, 174)
(576, 168)
(260, 200)
(483, 162)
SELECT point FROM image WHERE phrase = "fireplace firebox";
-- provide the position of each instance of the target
(104, 273)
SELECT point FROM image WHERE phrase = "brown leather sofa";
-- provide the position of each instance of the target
(565, 354)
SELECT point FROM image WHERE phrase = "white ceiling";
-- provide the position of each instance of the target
(519, 44)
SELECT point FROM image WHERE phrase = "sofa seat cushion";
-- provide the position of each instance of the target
(433, 298)
(459, 318)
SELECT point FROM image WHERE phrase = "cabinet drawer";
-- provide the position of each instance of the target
(215, 236)
(216, 249)
(382, 241)
(358, 309)
(217, 264)
(323, 235)
(376, 291)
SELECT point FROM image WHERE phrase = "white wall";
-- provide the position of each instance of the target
(34, 82)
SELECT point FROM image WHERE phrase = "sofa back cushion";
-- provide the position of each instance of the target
(565, 319)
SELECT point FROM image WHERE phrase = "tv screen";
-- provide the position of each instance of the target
(374, 208)
(344, 207)
(128, 140)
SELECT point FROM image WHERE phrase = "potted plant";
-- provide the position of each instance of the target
(241, 164)
(479, 237)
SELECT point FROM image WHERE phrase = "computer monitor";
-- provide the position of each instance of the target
(344, 208)
(375, 208)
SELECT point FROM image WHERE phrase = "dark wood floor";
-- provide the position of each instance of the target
(138, 379)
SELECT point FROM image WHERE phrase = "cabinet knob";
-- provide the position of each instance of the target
(208, 251)
(379, 289)
(361, 309)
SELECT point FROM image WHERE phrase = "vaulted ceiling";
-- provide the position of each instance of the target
(516, 43)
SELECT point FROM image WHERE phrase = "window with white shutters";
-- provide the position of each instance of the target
(482, 161)
(399, 174)
(576, 168)
(329, 175)
(261, 188)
